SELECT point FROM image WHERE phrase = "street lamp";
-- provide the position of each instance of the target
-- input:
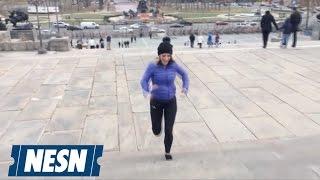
(308, 11)
(58, 34)
(36, 3)
(47, 5)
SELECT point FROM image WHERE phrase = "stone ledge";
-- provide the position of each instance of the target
(4, 36)
(58, 44)
(54, 44)
(21, 46)
(316, 32)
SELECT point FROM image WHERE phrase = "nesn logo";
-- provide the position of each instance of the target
(55, 160)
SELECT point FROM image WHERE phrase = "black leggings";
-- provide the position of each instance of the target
(169, 107)
(294, 41)
(265, 37)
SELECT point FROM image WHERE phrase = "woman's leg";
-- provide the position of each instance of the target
(170, 111)
(156, 112)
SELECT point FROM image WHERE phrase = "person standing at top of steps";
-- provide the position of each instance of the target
(162, 92)
(295, 19)
(266, 27)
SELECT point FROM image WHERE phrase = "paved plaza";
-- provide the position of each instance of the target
(251, 113)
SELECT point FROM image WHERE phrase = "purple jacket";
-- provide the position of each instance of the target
(162, 78)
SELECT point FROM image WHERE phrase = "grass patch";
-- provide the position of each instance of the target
(97, 17)
(193, 14)
(88, 15)
(211, 10)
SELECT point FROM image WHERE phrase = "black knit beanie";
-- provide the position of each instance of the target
(164, 47)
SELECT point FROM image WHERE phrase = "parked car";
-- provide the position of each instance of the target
(61, 24)
(176, 25)
(138, 26)
(23, 26)
(124, 30)
(48, 32)
(135, 26)
(122, 22)
(242, 24)
(186, 23)
(74, 28)
(253, 24)
(157, 30)
(89, 25)
(221, 23)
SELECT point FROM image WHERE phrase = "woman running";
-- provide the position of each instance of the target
(163, 100)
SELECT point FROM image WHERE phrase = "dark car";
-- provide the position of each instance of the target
(74, 28)
(23, 26)
(221, 23)
(186, 23)
(176, 25)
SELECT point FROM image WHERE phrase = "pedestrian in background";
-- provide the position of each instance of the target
(108, 42)
(101, 43)
(192, 39)
(295, 19)
(286, 32)
(266, 27)
(200, 41)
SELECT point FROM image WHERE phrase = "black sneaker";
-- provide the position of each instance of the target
(168, 157)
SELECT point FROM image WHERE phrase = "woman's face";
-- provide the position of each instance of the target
(165, 58)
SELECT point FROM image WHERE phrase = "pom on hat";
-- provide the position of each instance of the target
(166, 39)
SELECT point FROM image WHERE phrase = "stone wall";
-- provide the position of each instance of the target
(24, 35)
(53, 44)
(58, 44)
(4, 36)
(316, 32)
(21, 46)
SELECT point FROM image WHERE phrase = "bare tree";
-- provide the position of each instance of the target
(101, 4)
(87, 3)
(46, 3)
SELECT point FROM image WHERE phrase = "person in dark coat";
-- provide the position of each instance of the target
(192, 38)
(101, 43)
(108, 39)
(266, 27)
(286, 32)
(217, 39)
(295, 19)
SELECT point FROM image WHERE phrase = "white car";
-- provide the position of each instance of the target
(138, 26)
(124, 30)
(135, 26)
(48, 32)
(61, 24)
(242, 24)
(89, 25)
(157, 30)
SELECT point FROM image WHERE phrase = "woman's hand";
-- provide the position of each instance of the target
(154, 87)
(184, 91)
(146, 94)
